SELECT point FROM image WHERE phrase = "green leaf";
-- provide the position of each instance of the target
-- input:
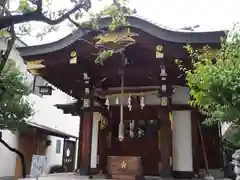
(15, 110)
(214, 80)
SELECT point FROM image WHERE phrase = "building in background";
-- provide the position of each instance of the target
(50, 132)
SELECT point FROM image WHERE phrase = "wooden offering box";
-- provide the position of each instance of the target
(125, 167)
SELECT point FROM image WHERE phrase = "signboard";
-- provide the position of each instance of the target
(37, 165)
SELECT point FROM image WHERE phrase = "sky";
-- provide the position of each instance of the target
(175, 14)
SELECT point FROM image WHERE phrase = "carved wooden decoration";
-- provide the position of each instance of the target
(102, 121)
(121, 36)
(34, 66)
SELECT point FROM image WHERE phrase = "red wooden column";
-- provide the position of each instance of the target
(86, 123)
(166, 142)
(103, 148)
(165, 93)
(85, 142)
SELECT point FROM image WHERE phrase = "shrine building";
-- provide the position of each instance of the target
(134, 107)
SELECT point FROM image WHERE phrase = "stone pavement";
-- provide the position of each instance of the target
(72, 176)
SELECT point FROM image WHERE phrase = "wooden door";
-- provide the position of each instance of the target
(68, 155)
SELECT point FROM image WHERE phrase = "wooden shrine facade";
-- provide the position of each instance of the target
(148, 69)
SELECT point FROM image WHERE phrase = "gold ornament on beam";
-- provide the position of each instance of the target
(171, 120)
(164, 101)
(102, 121)
(73, 56)
(159, 51)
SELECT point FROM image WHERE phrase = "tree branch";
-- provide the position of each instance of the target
(10, 43)
(73, 22)
(18, 153)
(39, 5)
(6, 21)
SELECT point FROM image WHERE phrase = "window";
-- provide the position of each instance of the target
(140, 128)
(58, 146)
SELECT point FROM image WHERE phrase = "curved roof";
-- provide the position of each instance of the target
(153, 29)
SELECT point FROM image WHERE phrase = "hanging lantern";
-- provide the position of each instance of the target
(117, 100)
(107, 103)
(142, 104)
(45, 90)
(129, 103)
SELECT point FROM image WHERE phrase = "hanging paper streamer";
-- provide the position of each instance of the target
(107, 102)
(131, 127)
(129, 103)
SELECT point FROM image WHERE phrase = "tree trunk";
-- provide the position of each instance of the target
(18, 153)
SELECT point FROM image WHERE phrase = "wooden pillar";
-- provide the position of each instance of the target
(85, 134)
(103, 149)
(85, 142)
(166, 142)
(165, 92)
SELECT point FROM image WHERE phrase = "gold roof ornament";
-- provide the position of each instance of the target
(73, 56)
(164, 101)
(124, 35)
(117, 40)
(159, 51)
(102, 121)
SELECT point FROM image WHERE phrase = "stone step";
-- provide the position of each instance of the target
(123, 177)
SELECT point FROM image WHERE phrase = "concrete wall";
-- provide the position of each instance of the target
(7, 158)
(182, 141)
(45, 114)
(95, 129)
